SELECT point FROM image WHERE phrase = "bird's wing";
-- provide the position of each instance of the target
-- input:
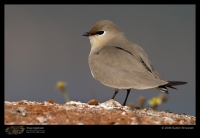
(119, 68)
(137, 50)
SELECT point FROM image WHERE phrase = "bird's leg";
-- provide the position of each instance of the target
(128, 91)
(116, 91)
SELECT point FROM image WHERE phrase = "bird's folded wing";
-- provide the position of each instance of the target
(119, 68)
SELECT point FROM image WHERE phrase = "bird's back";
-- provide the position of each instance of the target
(123, 66)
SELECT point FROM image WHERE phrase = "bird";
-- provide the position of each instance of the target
(121, 64)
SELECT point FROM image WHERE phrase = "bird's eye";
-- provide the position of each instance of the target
(100, 32)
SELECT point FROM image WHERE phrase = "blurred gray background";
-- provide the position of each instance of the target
(44, 45)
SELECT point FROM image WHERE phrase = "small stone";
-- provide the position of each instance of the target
(41, 119)
(21, 111)
(93, 102)
(137, 107)
(51, 101)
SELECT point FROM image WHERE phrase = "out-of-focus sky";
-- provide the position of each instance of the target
(44, 44)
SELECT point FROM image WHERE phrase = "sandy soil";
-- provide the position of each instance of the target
(108, 113)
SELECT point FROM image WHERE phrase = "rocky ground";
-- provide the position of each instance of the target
(92, 113)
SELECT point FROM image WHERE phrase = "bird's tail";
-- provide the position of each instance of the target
(164, 89)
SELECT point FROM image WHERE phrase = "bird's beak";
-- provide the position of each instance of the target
(86, 34)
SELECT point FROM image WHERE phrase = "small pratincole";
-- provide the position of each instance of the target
(120, 64)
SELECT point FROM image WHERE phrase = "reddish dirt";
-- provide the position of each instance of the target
(107, 113)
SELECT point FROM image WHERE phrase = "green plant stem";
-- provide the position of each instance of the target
(65, 96)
